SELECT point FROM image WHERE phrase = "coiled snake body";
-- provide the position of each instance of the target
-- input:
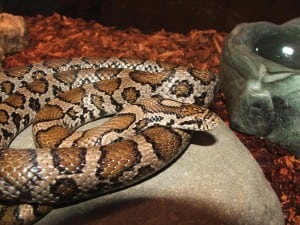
(156, 103)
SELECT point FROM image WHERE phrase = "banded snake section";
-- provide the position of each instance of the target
(156, 105)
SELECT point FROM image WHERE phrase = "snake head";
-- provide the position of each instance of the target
(178, 115)
(208, 121)
(194, 117)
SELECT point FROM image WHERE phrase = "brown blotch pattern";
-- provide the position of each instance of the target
(56, 63)
(49, 112)
(64, 188)
(131, 94)
(117, 123)
(189, 110)
(3, 116)
(93, 60)
(7, 87)
(205, 76)
(117, 158)
(16, 166)
(18, 71)
(16, 100)
(155, 105)
(73, 96)
(121, 122)
(147, 78)
(67, 77)
(108, 86)
(51, 137)
(38, 86)
(69, 160)
(97, 101)
(164, 140)
(108, 72)
(182, 89)
(8, 214)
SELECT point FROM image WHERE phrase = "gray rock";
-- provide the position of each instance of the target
(215, 182)
(260, 79)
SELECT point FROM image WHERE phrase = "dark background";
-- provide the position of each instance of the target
(172, 15)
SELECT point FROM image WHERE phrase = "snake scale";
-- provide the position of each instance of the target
(157, 106)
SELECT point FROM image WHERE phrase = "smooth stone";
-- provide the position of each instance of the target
(216, 181)
(260, 78)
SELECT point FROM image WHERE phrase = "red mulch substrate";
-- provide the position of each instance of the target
(57, 37)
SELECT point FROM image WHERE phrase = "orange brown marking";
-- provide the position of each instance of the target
(117, 158)
(181, 109)
(18, 71)
(38, 86)
(108, 72)
(166, 66)
(189, 110)
(117, 123)
(69, 160)
(182, 89)
(7, 87)
(3, 116)
(49, 112)
(73, 96)
(108, 86)
(8, 214)
(51, 137)
(66, 77)
(121, 121)
(165, 142)
(93, 60)
(16, 165)
(64, 188)
(155, 105)
(97, 101)
(147, 78)
(203, 75)
(56, 63)
(28, 210)
(131, 94)
(16, 100)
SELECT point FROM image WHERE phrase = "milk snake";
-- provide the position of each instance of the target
(155, 104)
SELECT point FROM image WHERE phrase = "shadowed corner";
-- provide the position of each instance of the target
(203, 138)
